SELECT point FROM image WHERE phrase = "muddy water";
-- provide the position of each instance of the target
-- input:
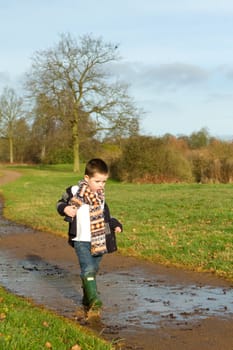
(134, 298)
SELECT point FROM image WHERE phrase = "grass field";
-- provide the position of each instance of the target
(182, 225)
(186, 225)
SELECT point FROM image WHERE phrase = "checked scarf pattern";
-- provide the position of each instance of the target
(97, 226)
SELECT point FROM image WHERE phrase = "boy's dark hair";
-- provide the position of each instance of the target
(96, 165)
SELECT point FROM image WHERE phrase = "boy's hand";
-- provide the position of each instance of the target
(117, 229)
(70, 210)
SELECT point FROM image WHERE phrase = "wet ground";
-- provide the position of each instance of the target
(130, 298)
(146, 306)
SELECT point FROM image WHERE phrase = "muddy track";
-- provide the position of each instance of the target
(146, 306)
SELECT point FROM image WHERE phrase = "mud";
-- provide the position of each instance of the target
(146, 306)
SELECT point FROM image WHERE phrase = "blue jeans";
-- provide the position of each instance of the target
(89, 264)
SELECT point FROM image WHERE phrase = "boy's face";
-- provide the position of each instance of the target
(96, 182)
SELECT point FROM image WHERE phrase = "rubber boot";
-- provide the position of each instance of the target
(90, 297)
(84, 299)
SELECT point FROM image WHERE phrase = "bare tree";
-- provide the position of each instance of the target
(75, 76)
(10, 113)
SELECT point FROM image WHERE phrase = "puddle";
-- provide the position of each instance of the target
(44, 283)
(129, 299)
(150, 302)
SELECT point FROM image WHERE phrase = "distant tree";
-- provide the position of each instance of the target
(199, 139)
(51, 134)
(151, 159)
(10, 112)
(4, 150)
(22, 140)
(43, 127)
(75, 77)
(179, 144)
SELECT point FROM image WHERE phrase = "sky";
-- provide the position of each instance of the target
(176, 55)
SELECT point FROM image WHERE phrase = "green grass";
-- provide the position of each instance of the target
(23, 326)
(189, 226)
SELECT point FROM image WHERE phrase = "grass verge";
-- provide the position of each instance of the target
(24, 326)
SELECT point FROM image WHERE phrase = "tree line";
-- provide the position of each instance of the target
(73, 108)
(71, 96)
(196, 158)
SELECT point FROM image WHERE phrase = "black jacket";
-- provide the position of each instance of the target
(64, 201)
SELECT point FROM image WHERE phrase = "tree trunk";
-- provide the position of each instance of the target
(76, 157)
(75, 146)
(11, 150)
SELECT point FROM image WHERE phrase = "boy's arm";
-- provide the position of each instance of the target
(64, 201)
(114, 224)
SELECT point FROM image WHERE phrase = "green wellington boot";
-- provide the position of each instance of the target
(90, 297)
(84, 299)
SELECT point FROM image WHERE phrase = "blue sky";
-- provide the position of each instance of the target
(177, 55)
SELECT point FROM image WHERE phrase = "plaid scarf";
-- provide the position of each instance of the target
(97, 226)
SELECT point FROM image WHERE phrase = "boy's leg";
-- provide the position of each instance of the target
(89, 266)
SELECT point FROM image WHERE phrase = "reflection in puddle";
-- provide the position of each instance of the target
(129, 299)
(44, 283)
(150, 303)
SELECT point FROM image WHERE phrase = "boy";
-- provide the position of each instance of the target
(87, 213)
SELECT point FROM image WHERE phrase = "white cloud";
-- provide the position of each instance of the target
(164, 75)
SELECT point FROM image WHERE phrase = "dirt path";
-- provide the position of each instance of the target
(146, 306)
